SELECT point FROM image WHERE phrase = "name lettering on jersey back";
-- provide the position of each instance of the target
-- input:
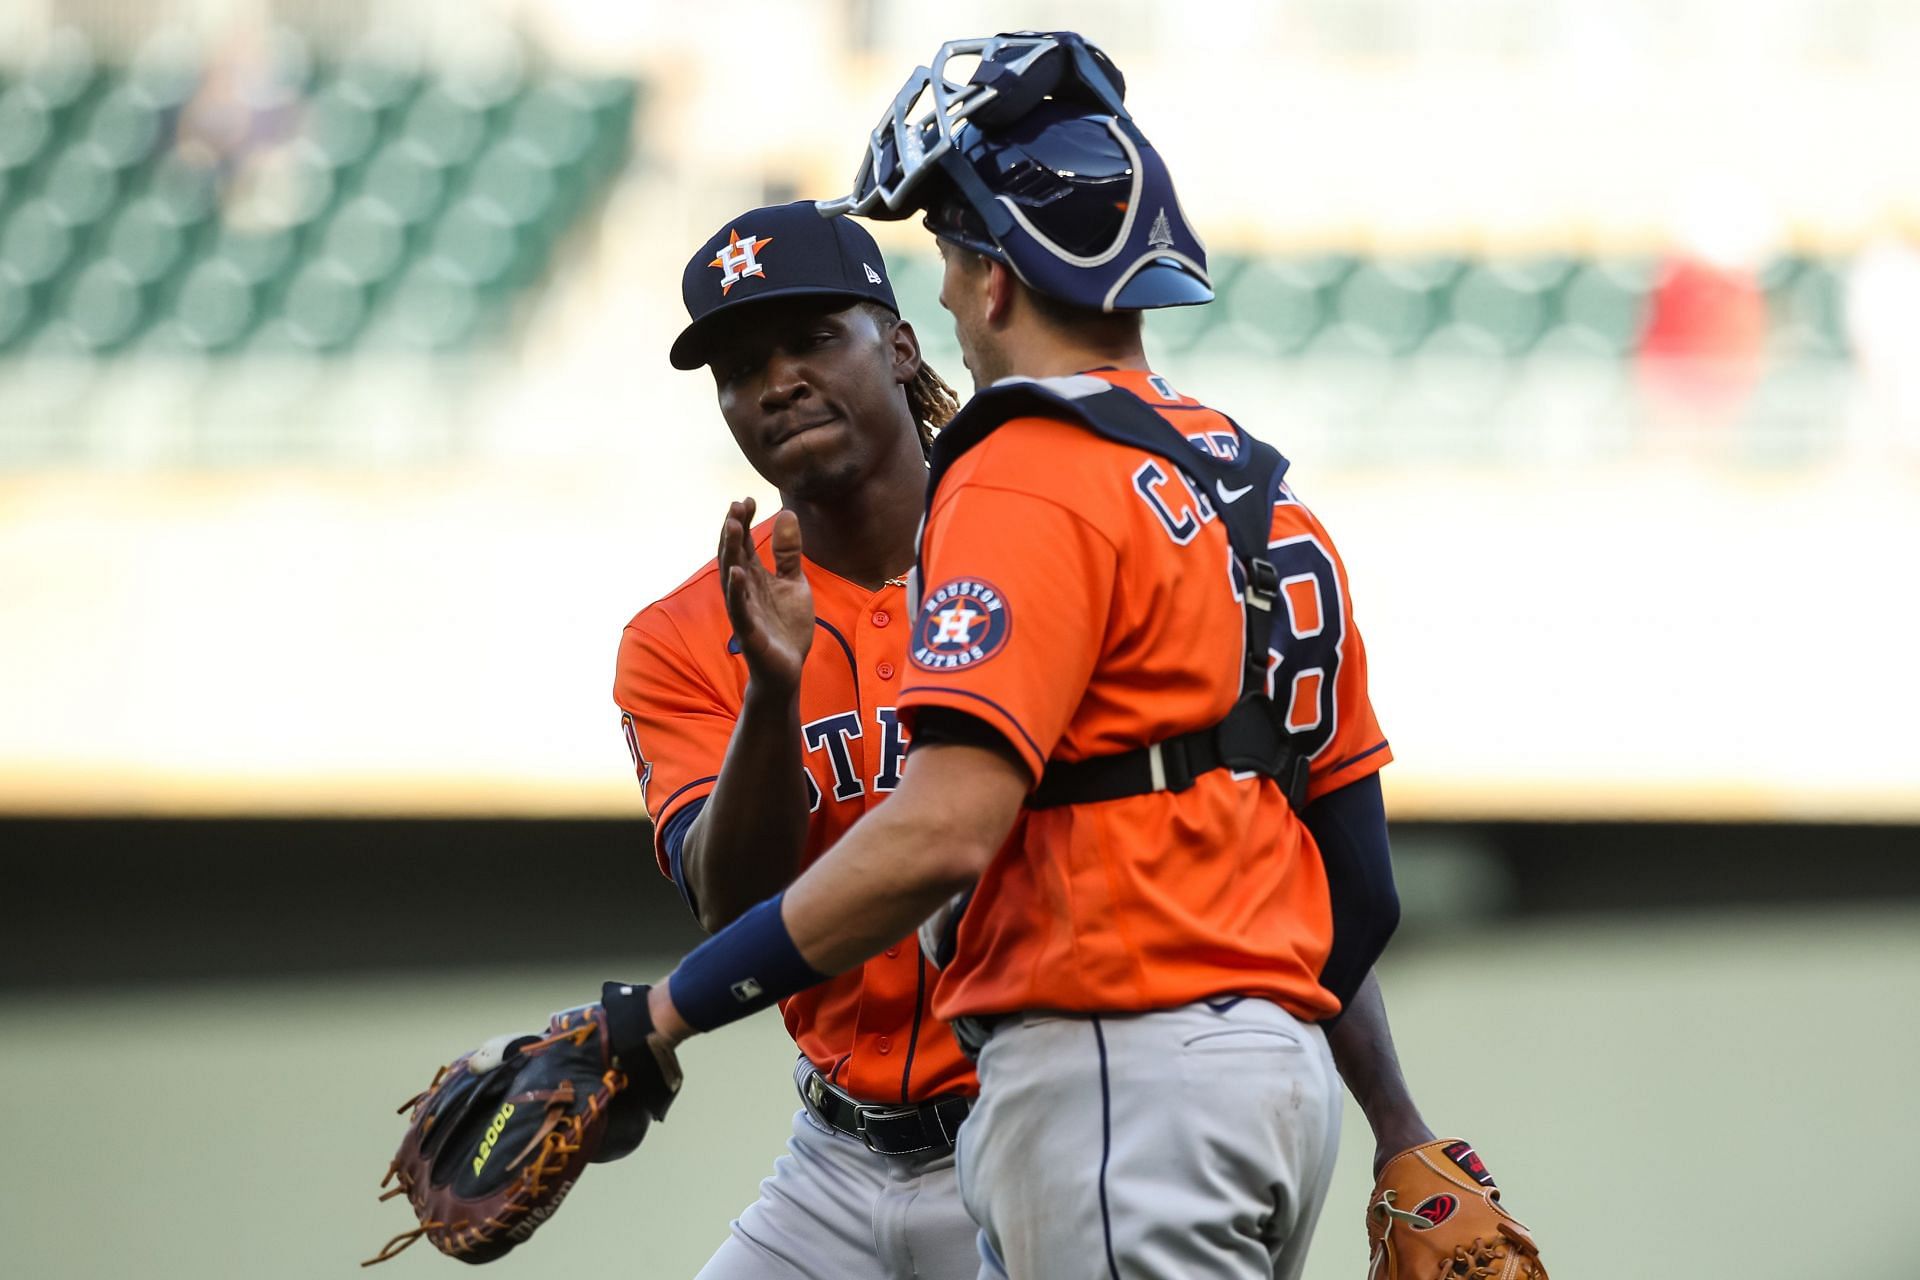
(832, 737)
(1181, 509)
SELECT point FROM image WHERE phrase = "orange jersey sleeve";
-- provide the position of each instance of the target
(1020, 670)
(676, 716)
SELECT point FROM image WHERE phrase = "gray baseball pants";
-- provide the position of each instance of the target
(834, 1210)
(1193, 1143)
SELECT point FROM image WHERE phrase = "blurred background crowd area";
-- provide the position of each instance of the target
(1669, 220)
(329, 331)
(338, 442)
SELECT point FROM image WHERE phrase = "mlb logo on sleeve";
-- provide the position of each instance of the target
(962, 623)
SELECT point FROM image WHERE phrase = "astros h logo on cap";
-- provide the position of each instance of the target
(737, 260)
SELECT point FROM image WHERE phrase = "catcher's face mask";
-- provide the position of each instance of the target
(1035, 161)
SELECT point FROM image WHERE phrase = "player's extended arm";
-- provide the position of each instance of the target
(1349, 824)
(745, 843)
(1362, 1045)
(899, 863)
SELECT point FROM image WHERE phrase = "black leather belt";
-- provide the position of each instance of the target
(908, 1130)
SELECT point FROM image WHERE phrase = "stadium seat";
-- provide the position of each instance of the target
(408, 179)
(1390, 301)
(1506, 303)
(477, 242)
(164, 73)
(103, 306)
(557, 121)
(1283, 302)
(124, 129)
(36, 243)
(324, 306)
(381, 80)
(516, 179)
(146, 239)
(431, 309)
(1806, 308)
(16, 307)
(259, 256)
(186, 192)
(216, 305)
(366, 239)
(81, 186)
(64, 73)
(25, 128)
(1606, 299)
(447, 129)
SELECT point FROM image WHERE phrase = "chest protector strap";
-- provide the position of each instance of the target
(1240, 492)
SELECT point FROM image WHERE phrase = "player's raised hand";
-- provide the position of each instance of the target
(771, 612)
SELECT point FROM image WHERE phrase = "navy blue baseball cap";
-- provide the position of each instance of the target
(780, 251)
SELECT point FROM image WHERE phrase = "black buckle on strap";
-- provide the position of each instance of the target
(1171, 764)
(907, 1130)
(1263, 583)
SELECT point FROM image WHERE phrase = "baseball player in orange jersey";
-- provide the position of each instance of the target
(784, 683)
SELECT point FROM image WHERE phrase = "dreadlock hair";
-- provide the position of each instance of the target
(932, 403)
(930, 399)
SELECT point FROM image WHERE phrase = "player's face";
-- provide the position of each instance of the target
(811, 390)
(964, 291)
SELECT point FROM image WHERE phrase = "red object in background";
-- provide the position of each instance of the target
(1705, 339)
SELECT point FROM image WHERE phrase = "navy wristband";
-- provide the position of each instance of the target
(750, 964)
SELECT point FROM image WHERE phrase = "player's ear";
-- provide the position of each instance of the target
(1000, 286)
(906, 352)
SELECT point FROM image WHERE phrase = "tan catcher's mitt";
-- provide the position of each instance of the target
(498, 1139)
(1436, 1215)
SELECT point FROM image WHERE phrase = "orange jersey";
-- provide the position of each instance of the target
(680, 684)
(1081, 598)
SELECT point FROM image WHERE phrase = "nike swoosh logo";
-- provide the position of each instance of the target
(1230, 495)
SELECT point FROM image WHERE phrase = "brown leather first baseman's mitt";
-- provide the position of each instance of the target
(499, 1138)
(1435, 1214)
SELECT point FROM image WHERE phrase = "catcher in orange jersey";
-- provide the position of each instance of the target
(1150, 855)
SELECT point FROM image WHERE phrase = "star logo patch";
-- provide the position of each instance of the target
(738, 260)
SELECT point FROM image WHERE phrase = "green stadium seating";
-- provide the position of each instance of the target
(26, 126)
(81, 185)
(1607, 301)
(405, 208)
(341, 125)
(16, 307)
(1806, 308)
(124, 128)
(216, 305)
(449, 130)
(1507, 304)
(365, 239)
(324, 307)
(431, 309)
(103, 305)
(64, 74)
(408, 179)
(146, 239)
(1391, 304)
(1284, 303)
(37, 242)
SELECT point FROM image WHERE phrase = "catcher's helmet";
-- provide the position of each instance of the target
(1035, 161)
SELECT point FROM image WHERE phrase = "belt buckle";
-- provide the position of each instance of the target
(864, 1113)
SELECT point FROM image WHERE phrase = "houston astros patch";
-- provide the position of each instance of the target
(962, 623)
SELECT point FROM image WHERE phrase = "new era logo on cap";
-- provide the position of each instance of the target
(737, 260)
(873, 277)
